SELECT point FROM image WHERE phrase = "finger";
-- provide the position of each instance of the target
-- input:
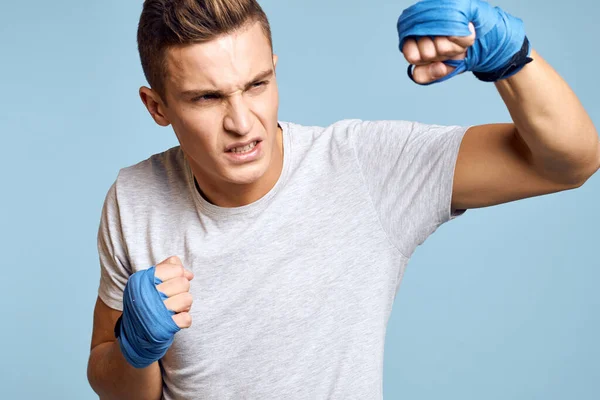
(411, 51)
(167, 271)
(172, 260)
(447, 49)
(174, 286)
(180, 302)
(431, 72)
(177, 261)
(189, 275)
(465, 41)
(427, 49)
(183, 320)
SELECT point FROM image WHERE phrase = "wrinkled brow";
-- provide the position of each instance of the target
(203, 92)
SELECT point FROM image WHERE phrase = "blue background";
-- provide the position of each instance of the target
(499, 304)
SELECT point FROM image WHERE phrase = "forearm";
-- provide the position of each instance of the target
(111, 376)
(552, 122)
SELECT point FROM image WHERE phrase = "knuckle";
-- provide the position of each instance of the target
(183, 283)
(428, 54)
(188, 299)
(412, 57)
(185, 320)
(411, 52)
(427, 49)
(444, 47)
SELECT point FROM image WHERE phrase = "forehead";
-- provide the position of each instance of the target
(225, 63)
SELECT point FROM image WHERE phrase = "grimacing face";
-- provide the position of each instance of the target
(223, 94)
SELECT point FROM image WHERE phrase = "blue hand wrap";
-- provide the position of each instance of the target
(147, 329)
(500, 37)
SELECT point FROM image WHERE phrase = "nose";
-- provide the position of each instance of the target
(238, 118)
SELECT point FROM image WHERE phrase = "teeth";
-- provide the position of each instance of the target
(244, 149)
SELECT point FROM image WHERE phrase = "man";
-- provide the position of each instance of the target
(291, 241)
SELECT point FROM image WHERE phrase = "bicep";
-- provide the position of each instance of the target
(494, 167)
(105, 319)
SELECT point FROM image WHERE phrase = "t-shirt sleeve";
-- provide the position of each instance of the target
(408, 169)
(114, 264)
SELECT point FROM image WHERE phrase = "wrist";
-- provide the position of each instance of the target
(514, 65)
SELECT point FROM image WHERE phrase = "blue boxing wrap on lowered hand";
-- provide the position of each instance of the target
(498, 35)
(147, 327)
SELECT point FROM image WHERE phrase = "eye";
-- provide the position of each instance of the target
(259, 84)
(207, 97)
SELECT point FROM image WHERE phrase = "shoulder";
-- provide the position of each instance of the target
(154, 167)
(159, 173)
(310, 135)
(348, 127)
(336, 127)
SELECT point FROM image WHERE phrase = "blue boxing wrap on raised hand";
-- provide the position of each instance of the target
(147, 328)
(500, 50)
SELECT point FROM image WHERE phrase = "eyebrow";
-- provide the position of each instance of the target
(203, 92)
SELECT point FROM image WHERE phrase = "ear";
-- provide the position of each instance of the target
(155, 106)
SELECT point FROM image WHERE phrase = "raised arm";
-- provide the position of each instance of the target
(552, 144)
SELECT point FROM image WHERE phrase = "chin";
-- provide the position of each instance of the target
(247, 175)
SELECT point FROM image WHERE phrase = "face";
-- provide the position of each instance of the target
(222, 104)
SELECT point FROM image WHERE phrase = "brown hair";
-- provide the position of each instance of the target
(167, 23)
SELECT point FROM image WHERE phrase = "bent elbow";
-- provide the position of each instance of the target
(589, 169)
(597, 166)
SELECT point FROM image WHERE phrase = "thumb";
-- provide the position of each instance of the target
(172, 260)
(465, 41)
(175, 260)
(424, 74)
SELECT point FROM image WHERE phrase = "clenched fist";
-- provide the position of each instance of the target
(176, 286)
(428, 55)
(156, 305)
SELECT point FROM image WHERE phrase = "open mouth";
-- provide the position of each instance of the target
(244, 149)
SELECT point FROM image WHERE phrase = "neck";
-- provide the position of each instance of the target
(229, 195)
